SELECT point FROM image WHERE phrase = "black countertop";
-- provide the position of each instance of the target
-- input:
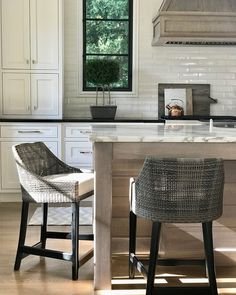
(202, 118)
(124, 120)
(74, 120)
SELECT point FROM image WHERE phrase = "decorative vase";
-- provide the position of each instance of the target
(103, 112)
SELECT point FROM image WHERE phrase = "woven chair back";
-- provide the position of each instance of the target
(179, 190)
(37, 158)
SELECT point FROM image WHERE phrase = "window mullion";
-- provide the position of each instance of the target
(108, 19)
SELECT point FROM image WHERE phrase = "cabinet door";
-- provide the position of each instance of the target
(44, 93)
(30, 34)
(79, 154)
(16, 94)
(8, 167)
(44, 18)
(15, 34)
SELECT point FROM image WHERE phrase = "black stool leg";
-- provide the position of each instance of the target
(208, 244)
(44, 225)
(22, 234)
(132, 242)
(74, 238)
(155, 238)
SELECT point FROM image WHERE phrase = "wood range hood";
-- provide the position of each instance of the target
(195, 22)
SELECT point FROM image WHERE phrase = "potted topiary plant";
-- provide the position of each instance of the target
(102, 73)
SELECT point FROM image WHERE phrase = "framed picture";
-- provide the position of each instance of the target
(178, 101)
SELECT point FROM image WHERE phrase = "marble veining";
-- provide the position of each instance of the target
(162, 133)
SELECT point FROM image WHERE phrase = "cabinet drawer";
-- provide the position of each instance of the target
(80, 132)
(79, 153)
(29, 131)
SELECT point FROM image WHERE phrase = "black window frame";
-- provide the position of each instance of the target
(130, 48)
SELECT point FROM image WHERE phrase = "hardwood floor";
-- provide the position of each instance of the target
(49, 276)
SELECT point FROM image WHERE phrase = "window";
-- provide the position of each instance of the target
(107, 33)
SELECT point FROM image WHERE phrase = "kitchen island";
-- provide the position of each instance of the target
(119, 152)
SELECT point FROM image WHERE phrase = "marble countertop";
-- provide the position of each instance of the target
(193, 131)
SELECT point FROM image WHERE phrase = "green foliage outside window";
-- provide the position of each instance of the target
(108, 35)
(113, 9)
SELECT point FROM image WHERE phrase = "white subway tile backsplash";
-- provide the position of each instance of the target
(231, 82)
(225, 76)
(197, 69)
(212, 65)
(224, 89)
(217, 82)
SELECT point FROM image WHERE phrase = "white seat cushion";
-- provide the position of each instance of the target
(85, 181)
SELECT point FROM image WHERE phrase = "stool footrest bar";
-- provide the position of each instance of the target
(46, 253)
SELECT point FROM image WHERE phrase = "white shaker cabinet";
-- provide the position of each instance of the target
(15, 34)
(16, 94)
(44, 93)
(30, 94)
(30, 34)
(77, 147)
(31, 59)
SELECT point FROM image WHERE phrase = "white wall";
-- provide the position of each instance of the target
(213, 65)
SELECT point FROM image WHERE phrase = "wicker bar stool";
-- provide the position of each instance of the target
(45, 179)
(176, 190)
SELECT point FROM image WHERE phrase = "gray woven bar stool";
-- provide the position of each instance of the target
(176, 190)
(46, 179)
